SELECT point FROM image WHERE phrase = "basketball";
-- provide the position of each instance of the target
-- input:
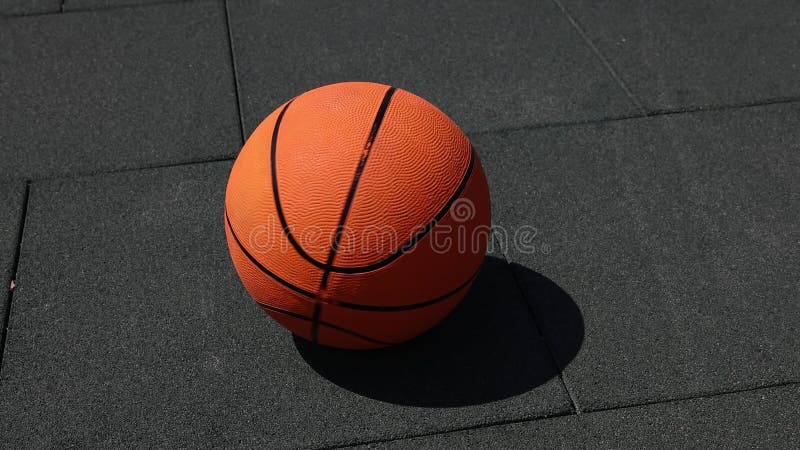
(357, 215)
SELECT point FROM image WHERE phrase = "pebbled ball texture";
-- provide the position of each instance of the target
(357, 215)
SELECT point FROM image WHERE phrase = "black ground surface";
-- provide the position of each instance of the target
(770, 421)
(642, 290)
(676, 236)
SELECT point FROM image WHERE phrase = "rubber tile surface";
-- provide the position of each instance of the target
(765, 418)
(688, 53)
(115, 89)
(676, 236)
(488, 65)
(129, 325)
(12, 195)
(23, 7)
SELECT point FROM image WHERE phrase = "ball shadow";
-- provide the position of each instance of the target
(488, 349)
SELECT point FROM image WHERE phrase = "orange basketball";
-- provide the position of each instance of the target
(357, 215)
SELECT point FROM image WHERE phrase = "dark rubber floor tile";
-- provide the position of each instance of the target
(116, 89)
(676, 236)
(690, 53)
(12, 193)
(488, 65)
(130, 326)
(764, 418)
(23, 7)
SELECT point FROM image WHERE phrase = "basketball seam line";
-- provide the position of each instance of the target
(351, 193)
(461, 286)
(348, 202)
(276, 197)
(408, 245)
(428, 227)
(327, 324)
(315, 321)
(356, 306)
(261, 266)
(376, 265)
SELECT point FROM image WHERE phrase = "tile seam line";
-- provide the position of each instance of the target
(572, 398)
(602, 59)
(742, 106)
(497, 423)
(654, 114)
(14, 270)
(236, 89)
(71, 11)
(698, 396)
(98, 173)
(587, 412)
